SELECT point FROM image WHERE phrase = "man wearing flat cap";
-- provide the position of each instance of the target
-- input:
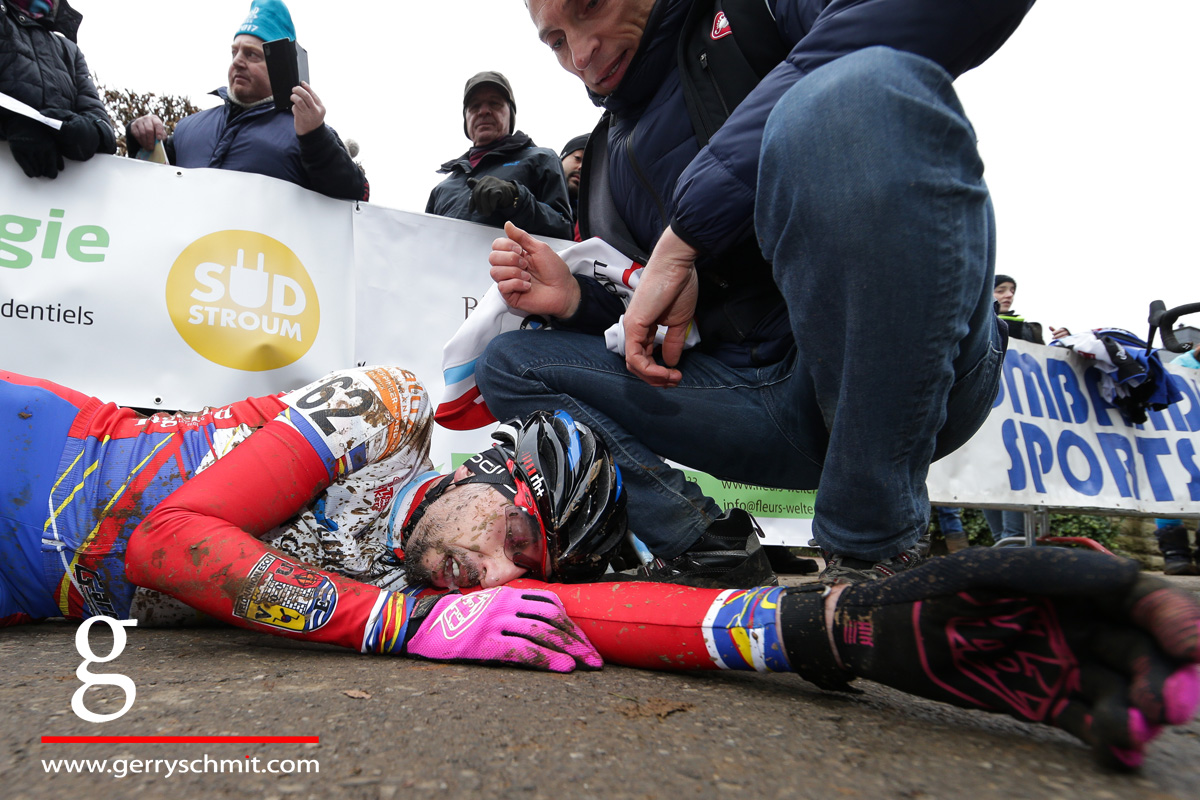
(247, 133)
(504, 176)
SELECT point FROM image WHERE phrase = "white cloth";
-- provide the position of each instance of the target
(462, 408)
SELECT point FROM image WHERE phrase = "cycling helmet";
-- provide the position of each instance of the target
(566, 490)
(574, 488)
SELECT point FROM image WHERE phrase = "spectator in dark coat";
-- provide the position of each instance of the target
(248, 134)
(572, 161)
(504, 176)
(41, 65)
(1006, 523)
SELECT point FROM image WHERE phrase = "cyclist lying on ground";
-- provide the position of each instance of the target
(304, 527)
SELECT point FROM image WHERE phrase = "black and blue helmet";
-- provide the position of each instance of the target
(566, 477)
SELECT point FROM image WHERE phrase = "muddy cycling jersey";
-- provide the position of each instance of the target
(81, 476)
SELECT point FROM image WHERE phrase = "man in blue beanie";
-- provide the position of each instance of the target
(247, 133)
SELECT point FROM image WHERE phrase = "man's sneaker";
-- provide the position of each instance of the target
(715, 569)
(1178, 564)
(846, 569)
(924, 544)
(956, 543)
(727, 555)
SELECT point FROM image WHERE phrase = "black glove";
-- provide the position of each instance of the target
(33, 147)
(78, 139)
(491, 195)
(1069, 638)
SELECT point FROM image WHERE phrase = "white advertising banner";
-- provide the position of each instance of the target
(166, 288)
(1053, 441)
(419, 276)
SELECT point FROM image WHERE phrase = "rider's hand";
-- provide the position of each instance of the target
(520, 627)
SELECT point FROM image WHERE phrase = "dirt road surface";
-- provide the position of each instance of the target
(394, 728)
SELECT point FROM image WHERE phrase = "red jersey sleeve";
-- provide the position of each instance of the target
(199, 545)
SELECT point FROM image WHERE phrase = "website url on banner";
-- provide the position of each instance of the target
(167, 767)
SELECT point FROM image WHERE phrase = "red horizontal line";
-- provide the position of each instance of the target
(181, 739)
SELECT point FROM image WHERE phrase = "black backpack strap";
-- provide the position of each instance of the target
(726, 49)
(598, 214)
(757, 34)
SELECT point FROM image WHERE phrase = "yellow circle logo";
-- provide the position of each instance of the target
(243, 300)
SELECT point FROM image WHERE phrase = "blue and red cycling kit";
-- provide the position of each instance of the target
(291, 532)
(98, 500)
(98, 505)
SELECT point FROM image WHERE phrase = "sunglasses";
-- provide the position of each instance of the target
(524, 542)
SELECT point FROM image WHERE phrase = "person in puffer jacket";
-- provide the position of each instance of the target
(47, 71)
(842, 198)
(247, 133)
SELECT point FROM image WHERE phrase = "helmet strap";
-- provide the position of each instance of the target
(491, 467)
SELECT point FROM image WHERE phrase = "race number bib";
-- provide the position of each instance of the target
(357, 417)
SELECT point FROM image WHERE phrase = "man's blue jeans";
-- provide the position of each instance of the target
(950, 520)
(1004, 523)
(872, 208)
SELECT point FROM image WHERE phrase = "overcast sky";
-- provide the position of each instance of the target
(1086, 120)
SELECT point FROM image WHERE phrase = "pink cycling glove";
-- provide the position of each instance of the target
(522, 627)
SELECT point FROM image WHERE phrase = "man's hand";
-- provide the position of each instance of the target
(1078, 640)
(1058, 333)
(33, 147)
(491, 195)
(665, 295)
(531, 277)
(519, 627)
(307, 110)
(78, 138)
(148, 130)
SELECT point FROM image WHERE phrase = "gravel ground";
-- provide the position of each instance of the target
(392, 728)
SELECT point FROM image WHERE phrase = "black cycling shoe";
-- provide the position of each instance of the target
(726, 556)
(1173, 544)
(785, 562)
